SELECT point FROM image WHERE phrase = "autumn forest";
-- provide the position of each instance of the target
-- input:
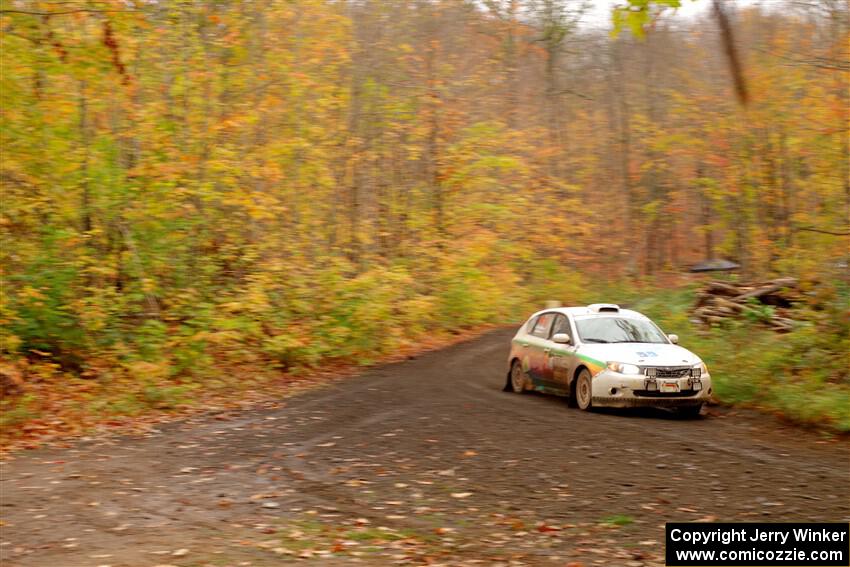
(194, 187)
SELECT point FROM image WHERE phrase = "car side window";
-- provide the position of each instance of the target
(542, 325)
(561, 325)
(530, 325)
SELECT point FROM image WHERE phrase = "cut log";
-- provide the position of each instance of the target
(718, 301)
(727, 304)
(759, 292)
(781, 328)
(722, 288)
(702, 312)
(785, 282)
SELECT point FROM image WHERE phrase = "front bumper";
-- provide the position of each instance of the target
(612, 389)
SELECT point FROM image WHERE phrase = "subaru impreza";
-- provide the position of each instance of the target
(604, 356)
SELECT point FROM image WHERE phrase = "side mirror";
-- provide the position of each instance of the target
(673, 339)
(561, 338)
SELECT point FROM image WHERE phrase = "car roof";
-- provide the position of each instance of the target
(589, 311)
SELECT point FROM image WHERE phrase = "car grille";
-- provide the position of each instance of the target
(668, 371)
(657, 394)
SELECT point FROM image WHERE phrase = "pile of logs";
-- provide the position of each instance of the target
(721, 300)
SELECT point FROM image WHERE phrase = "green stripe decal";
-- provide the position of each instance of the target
(596, 366)
(586, 358)
(583, 357)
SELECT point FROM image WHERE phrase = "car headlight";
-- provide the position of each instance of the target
(623, 368)
(699, 369)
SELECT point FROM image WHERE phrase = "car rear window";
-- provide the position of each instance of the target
(562, 325)
(541, 326)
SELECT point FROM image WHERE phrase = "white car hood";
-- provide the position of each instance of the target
(645, 354)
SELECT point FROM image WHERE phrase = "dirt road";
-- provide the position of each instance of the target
(421, 461)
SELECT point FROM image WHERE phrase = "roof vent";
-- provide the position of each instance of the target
(604, 308)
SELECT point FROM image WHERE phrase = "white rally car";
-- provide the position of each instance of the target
(605, 356)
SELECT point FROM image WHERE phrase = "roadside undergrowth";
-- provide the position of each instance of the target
(242, 354)
(802, 376)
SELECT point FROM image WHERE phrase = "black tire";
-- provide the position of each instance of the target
(690, 412)
(517, 378)
(571, 398)
(584, 390)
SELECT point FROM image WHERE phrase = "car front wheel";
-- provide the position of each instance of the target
(584, 392)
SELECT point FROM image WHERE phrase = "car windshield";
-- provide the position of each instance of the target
(618, 330)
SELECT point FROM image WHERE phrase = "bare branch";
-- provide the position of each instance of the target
(818, 62)
(820, 231)
(731, 52)
(574, 93)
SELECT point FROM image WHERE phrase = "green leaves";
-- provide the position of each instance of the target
(637, 14)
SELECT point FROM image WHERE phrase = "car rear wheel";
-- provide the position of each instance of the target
(518, 378)
(584, 392)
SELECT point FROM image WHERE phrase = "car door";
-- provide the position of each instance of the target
(560, 358)
(538, 342)
(521, 345)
